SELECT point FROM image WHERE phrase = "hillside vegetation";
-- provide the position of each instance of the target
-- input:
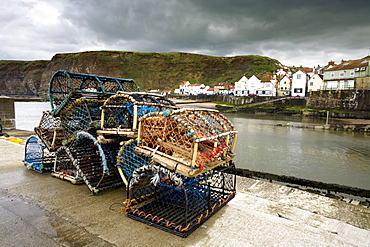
(150, 70)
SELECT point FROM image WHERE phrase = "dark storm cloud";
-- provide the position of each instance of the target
(294, 32)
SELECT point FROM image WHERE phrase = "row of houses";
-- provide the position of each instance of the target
(351, 74)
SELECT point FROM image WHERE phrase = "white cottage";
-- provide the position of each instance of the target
(283, 88)
(191, 89)
(241, 87)
(299, 84)
(315, 83)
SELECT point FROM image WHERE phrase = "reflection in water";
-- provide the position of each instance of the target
(321, 155)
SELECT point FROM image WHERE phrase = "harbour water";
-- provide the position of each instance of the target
(321, 155)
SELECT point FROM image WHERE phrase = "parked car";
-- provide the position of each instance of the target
(252, 95)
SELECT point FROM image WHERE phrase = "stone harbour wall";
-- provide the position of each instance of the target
(7, 112)
(350, 100)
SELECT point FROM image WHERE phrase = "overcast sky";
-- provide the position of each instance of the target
(294, 32)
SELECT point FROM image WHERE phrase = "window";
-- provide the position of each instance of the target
(332, 74)
(299, 76)
(311, 83)
(298, 90)
(351, 84)
(281, 88)
(352, 73)
(332, 84)
(341, 74)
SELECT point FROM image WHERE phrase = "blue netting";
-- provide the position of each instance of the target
(37, 157)
(80, 116)
(33, 153)
(194, 190)
(142, 109)
(128, 160)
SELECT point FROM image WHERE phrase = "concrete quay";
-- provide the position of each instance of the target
(39, 210)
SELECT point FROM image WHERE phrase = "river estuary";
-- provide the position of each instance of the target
(320, 155)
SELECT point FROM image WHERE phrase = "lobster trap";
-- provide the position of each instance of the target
(188, 141)
(64, 167)
(121, 112)
(179, 207)
(81, 115)
(37, 157)
(65, 87)
(88, 161)
(50, 131)
(128, 161)
(176, 163)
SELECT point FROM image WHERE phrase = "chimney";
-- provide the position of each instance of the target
(331, 63)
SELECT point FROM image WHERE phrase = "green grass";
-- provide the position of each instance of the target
(300, 108)
(151, 70)
(224, 104)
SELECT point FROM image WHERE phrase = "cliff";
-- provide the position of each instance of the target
(22, 78)
(150, 70)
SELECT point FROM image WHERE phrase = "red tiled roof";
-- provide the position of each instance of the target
(350, 64)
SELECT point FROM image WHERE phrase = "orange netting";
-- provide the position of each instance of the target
(197, 137)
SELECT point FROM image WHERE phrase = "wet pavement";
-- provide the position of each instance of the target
(39, 210)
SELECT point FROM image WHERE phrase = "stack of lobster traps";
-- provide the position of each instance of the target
(179, 171)
(177, 164)
(67, 133)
